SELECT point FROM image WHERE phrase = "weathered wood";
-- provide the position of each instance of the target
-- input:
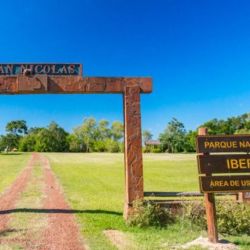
(223, 143)
(246, 197)
(184, 194)
(210, 206)
(211, 217)
(38, 84)
(171, 194)
(237, 163)
(133, 149)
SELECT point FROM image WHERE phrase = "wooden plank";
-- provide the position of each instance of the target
(211, 184)
(42, 84)
(238, 163)
(171, 194)
(225, 143)
(179, 194)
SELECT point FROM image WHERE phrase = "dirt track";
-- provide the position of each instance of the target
(48, 225)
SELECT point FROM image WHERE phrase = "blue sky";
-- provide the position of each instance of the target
(198, 53)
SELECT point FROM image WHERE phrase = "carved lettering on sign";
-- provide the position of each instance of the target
(41, 69)
(231, 143)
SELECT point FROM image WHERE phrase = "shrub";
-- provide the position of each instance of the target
(113, 146)
(233, 218)
(148, 214)
(99, 146)
(146, 150)
(194, 212)
(27, 143)
(149, 149)
(156, 150)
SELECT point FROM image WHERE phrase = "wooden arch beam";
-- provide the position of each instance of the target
(42, 84)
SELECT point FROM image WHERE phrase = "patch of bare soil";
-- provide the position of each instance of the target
(62, 231)
(118, 239)
(204, 243)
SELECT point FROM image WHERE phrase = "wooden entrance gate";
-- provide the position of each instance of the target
(68, 79)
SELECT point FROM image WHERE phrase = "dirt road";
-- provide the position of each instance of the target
(34, 213)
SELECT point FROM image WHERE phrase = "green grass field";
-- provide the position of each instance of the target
(10, 166)
(94, 185)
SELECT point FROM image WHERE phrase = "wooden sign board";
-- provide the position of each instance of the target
(231, 183)
(209, 164)
(51, 69)
(233, 164)
(229, 143)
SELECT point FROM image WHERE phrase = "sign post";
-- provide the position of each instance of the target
(210, 205)
(228, 172)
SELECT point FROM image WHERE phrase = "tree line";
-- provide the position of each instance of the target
(90, 136)
(175, 138)
(103, 136)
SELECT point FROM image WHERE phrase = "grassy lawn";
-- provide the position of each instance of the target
(170, 172)
(10, 166)
(94, 183)
(94, 186)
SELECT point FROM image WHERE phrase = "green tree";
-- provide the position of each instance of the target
(113, 146)
(229, 126)
(52, 139)
(8, 142)
(15, 130)
(18, 127)
(173, 137)
(117, 130)
(190, 141)
(103, 130)
(75, 144)
(87, 133)
(243, 131)
(28, 142)
(146, 136)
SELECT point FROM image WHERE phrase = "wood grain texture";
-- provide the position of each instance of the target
(42, 84)
(210, 206)
(212, 164)
(133, 148)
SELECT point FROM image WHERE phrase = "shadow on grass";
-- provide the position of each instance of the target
(9, 231)
(57, 211)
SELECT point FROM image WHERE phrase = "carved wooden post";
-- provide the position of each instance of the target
(133, 148)
(210, 207)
